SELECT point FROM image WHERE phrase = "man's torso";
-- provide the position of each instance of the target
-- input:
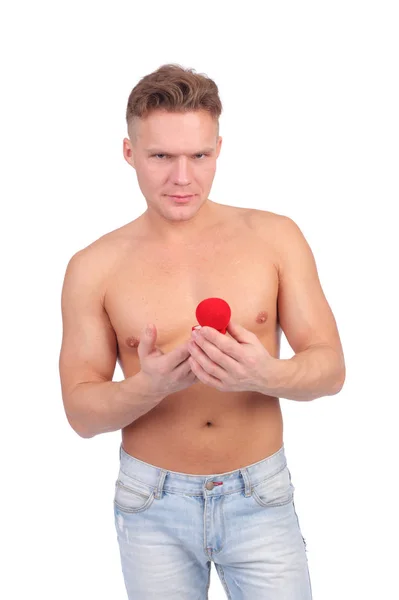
(199, 430)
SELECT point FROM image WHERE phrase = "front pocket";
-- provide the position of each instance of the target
(276, 490)
(132, 495)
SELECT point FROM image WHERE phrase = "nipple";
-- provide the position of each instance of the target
(132, 342)
(262, 317)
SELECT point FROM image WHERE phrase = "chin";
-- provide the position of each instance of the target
(183, 213)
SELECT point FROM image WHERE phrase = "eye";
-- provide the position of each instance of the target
(162, 156)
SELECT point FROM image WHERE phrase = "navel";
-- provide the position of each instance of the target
(262, 317)
(132, 342)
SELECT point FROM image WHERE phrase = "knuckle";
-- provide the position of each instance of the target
(162, 370)
(251, 360)
(212, 370)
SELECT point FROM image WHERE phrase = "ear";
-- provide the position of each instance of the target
(218, 145)
(128, 152)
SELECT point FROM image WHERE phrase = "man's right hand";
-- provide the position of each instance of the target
(165, 373)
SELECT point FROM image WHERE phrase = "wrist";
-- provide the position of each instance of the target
(274, 380)
(139, 386)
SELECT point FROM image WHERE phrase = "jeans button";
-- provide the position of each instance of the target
(209, 485)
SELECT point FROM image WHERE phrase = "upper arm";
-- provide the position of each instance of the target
(89, 346)
(304, 313)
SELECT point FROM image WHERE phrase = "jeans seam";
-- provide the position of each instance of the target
(221, 571)
(125, 509)
(271, 475)
(259, 501)
(132, 490)
(138, 480)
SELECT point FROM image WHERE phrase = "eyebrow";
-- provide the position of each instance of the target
(159, 151)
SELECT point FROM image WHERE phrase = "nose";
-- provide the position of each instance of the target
(181, 171)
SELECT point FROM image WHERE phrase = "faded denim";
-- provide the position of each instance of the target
(170, 526)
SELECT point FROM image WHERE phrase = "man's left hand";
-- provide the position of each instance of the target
(237, 364)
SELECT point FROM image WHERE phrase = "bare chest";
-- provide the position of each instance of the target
(162, 286)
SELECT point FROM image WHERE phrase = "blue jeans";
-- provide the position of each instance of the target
(170, 526)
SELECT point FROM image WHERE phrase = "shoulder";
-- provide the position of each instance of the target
(93, 264)
(278, 228)
(111, 246)
(282, 235)
(270, 219)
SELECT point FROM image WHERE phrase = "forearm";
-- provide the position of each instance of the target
(317, 371)
(100, 407)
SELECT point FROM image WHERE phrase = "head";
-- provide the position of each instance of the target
(173, 126)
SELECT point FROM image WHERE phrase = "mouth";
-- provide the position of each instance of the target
(182, 199)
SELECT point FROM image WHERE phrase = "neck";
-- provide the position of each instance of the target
(177, 230)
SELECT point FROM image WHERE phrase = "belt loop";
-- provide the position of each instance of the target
(245, 475)
(120, 451)
(158, 489)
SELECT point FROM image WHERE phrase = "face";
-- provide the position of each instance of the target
(174, 154)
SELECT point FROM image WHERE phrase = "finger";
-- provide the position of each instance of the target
(214, 354)
(177, 355)
(227, 345)
(239, 333)
(211, 367)
(203, 376)
(183, 369)
(147, 341)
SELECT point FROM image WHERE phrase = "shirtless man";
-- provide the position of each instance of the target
(203, 475)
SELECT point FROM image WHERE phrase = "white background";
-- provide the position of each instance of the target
(310, 128)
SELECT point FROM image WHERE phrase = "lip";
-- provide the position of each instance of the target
(182, 198)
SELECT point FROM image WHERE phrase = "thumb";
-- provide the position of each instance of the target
(150, 334)
(239, 333)
(149, 330)
(147, 340)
